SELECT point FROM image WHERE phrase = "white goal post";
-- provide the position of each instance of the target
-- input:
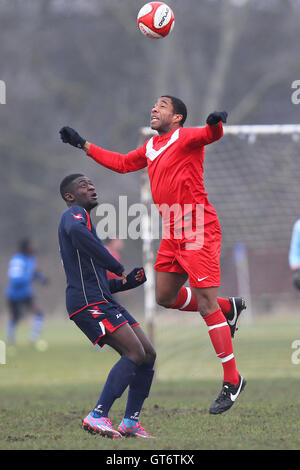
(242, 136)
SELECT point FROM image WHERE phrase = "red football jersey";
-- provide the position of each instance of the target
(175, 165)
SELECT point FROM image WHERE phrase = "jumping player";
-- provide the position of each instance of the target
(174, 159)
(91, 306)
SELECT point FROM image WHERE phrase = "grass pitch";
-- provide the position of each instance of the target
(45, 394)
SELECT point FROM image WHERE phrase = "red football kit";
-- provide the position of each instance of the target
(192, 235)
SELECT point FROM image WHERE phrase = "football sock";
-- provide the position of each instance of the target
(139, 389)
(118, 379)
(37, 325)
(225, 305)
(187, 302)
(220, 336)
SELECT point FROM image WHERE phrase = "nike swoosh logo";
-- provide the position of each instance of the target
(234, 397)
(202, 279)
(232, 322)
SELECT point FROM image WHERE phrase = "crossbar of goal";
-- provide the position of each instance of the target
(245, 129)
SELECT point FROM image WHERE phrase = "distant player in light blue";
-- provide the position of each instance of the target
(22, 272)
(294, 254)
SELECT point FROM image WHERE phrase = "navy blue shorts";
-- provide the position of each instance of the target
(96, 320)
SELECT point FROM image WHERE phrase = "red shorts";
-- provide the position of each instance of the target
(202, 265)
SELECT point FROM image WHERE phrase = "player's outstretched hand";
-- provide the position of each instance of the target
(70, 136)
(215, 117)
(136, 277)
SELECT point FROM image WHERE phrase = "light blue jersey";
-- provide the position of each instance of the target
(21, 273)
(294, 254)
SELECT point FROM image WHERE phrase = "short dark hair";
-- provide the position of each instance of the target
(179, 107)
(65, 185)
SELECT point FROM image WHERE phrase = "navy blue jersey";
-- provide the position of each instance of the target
(85, 260)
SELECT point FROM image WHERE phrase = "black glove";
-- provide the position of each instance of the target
(136, 277)
(296, 278)
(70, 136)
(216, 117)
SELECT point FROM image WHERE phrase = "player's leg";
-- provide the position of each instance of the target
(15, 314)
(218, 329)
(169, 275)
(102, 323)
(140, 385)
(167, 287)
(124, 341)
(186, 301)
(37, 320)
(175, 260)
(220, 336)
(171, 293)
(139, 390)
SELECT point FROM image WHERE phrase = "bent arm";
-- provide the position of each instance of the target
(135, 278)
(200, 136)
(116, 285)
(121, 163)
(84, 241)
(213, 133)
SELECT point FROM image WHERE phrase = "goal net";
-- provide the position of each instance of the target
(252, 177)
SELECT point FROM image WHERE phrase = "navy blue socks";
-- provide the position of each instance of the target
(138, 391)
(118, 379)
(126, 372)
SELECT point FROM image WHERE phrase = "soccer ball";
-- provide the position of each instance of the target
(155, 20)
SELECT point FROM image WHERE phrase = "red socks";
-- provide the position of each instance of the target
(218, 329)
(220, 336)
(187, 302)
(225, 305)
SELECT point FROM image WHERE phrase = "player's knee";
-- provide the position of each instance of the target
(137, 355)
(206, 305)
(150, 356)
(165, 300)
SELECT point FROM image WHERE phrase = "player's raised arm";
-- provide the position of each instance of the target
(121, 163)
(213, 131)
